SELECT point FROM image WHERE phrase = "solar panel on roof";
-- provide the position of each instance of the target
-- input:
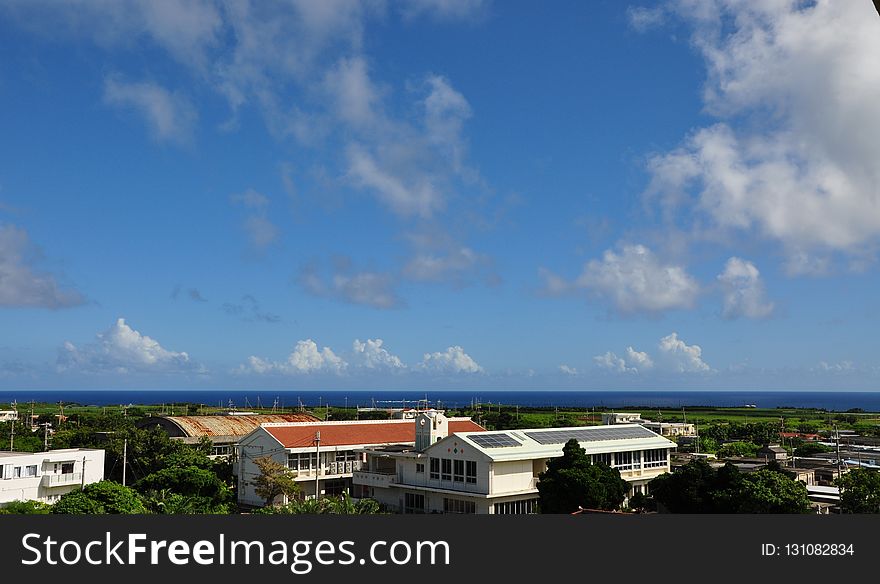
(493, 440)
(591, 434)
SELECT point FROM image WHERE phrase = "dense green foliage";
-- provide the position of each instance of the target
(738, 448)
(571, 482)
(699, 488)
(343, 505)
(25, 508)
(860, 491)
(811, 448)
(103, 498)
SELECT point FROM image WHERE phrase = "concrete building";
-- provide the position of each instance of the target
(609, 418)
(773, 452)
(8, 415)
(45, 476)
(326, 453)
(224, 431)
(452, 471)
(673, 429)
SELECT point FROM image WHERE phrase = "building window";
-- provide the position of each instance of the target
(413, 503)
(447, 470)
(459, 506)
(623, 460)
(471, 471)
(345, 455)
(302, 461)
(30, 471)
(16, 472)
(224, 450)
(458, 471)
(420, 467)
(654, 458)
(604, 458)
(523, 507)
(435, 468)
(66, 468)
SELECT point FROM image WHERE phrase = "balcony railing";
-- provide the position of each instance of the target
(61, 480)
(374, 479)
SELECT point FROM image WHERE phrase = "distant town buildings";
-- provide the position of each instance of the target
(45, 476)
(8, 415)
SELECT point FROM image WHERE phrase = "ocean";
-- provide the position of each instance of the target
(243, 399)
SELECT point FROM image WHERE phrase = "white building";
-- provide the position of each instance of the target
(621, 418)
(45, 476)
(8, 415)
(326, 453)
(452, 471)
(663, 428)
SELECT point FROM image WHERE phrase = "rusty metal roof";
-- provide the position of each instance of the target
(212, 426)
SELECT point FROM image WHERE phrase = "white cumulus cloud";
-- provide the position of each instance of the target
(122, 349)
(635, 280)
(452, 360)
(681, 357)
(673, 356)
(372, 355)
(743, 290)
(793, 157)
(306, 358)
(568, 370)
(632, 362)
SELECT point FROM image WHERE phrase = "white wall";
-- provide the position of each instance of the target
(508, 477)
(255, 445)
(49, 483)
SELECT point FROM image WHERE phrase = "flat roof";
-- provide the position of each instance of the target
(549, 442)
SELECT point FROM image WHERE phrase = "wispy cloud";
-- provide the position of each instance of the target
(170, 116)
(21, 283)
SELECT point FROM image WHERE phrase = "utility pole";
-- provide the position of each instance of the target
(46, 437)
(124, 459)
(11, 435)
(82, 484)
(837, 442)
(317, 464)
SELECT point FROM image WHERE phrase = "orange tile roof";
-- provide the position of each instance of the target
(358, 433)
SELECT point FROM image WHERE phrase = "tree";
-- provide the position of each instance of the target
(103, 498)
(198, 490)
(810, 448)
(859, 491)
(571, 482)
(275, 479)
(698, 488)
(738, 448)
(768, 491)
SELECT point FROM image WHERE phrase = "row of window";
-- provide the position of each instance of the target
(523, 507)
(459, 506)
(629, 460)
(308, 460)
(457, 471)
(16, 472)
(415, 503)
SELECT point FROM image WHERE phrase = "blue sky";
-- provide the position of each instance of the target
(439, 194)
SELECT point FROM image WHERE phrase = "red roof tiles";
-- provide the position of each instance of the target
(358, 433)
